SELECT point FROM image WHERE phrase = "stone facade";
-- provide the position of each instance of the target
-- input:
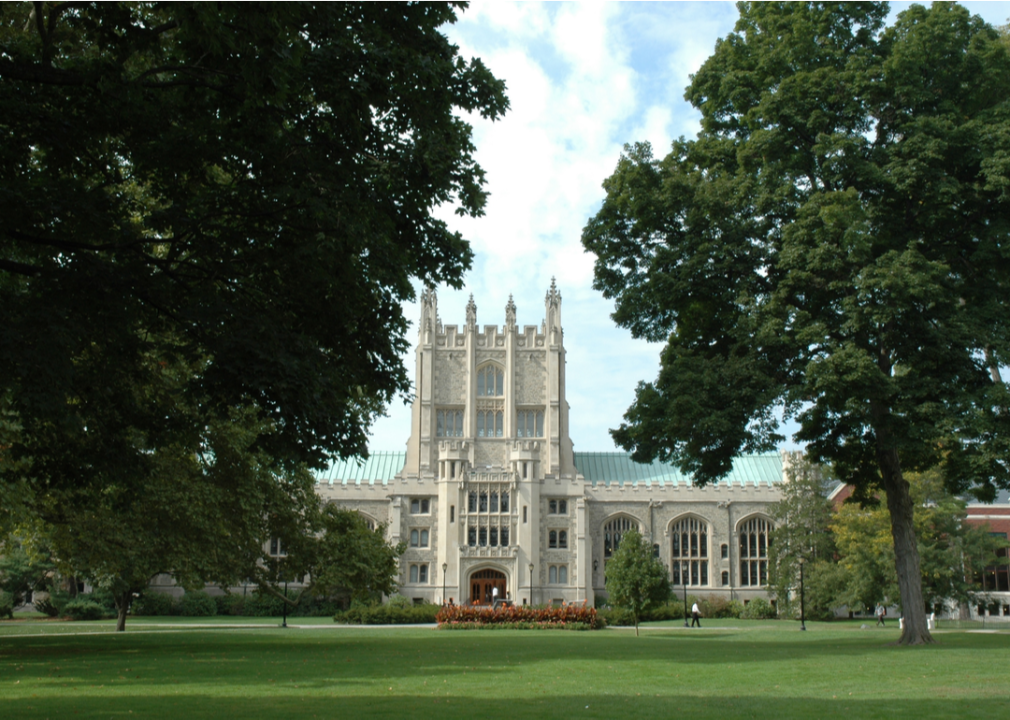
(490, 481)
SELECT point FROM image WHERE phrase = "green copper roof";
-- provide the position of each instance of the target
(379, 468)
(596, 467)
(614, 467)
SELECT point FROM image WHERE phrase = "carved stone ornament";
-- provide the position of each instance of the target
(471, 314)
(510, 314)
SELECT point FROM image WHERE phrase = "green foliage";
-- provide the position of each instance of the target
(22, 573)
(388, 614)
(84, 610)
(950, 550)
(399, 601)
(154, 604)
(636, 580)
(202, 276)
(759, 609)
(832, 241)
(342, 555)
(197, 604)
(717, 606)
(128, 238)
(802, 531)
(52, 605)
(6, 605)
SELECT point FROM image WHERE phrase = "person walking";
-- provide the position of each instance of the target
(881, 614)
(695, 615)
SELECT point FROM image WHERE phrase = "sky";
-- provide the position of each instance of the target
(583, 79)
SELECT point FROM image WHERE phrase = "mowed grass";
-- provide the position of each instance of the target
(727, 669)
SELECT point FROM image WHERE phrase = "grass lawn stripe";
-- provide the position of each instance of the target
(762, 670)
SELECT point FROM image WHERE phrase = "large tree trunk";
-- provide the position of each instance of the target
(122, 607)
(906, 549)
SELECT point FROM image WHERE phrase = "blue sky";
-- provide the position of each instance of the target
(583, 79)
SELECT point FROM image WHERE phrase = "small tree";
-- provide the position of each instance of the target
(802, 532)
(636, 580)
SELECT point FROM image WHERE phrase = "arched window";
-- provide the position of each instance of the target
(490, 409)
(613, 531)
(490, 381)
(754, 541)
(689, 552)
(552, 539)
(562, 538)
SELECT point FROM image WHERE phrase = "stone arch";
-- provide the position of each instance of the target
(753, 534)
(690, 549)
(614, 528)
(483, 579)
(369, 520)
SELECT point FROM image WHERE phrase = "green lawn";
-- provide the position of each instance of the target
(727, 669)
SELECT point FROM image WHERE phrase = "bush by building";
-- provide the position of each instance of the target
(197, 604)
(759, 609)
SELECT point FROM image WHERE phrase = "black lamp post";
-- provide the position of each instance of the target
(531, 584)
(445, 566)
(284, 620)
(683, 577)
(803, 614)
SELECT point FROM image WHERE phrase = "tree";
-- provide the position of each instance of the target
(832, 243)
(636, 580)
(248, 187)
(344, 555)
(802, 534)
(951, 551)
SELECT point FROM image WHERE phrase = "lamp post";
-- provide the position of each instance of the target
(531, 584)
(445, 566)
(683, 577)
(284, 620)
(803, 614)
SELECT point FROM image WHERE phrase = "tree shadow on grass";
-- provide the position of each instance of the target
(296, 703)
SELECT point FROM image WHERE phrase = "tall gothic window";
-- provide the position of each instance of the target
(613, 531)
(689, 552)
(490, 381)
(754, 542)
(489, 519)
(530, 423)
(449, 423)
(490, 411)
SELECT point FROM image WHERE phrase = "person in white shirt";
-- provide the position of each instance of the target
(695, 615)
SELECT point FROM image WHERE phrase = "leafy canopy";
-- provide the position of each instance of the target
(834, 243)
(250, 187)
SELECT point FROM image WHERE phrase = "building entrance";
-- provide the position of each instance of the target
(482, 585)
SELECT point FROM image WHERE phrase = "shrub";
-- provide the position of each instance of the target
(197, 604)
(84, 610)
(388, 615)
(6, 605)
(758, 609)
(399, 601)
(153, 603)
(53, 605)
(618, 617)
(667, 611)
(715, 606)
(229, 604)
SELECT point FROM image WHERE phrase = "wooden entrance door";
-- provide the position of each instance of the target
(482, 584)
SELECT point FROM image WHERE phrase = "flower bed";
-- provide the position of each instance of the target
(519, 617)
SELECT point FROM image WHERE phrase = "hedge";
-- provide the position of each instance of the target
(388, 615)
(519, 617)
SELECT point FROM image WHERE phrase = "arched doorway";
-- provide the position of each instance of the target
(482, 585)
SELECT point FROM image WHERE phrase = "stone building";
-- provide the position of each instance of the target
(490, 494)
